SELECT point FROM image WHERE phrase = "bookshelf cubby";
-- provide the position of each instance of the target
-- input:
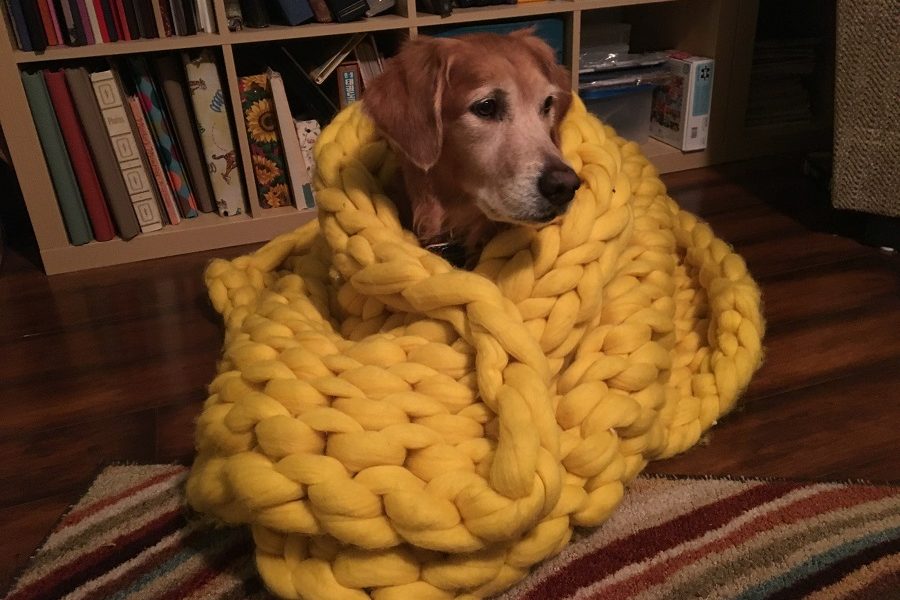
(721, 29)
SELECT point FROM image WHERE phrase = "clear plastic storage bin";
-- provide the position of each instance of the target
(626, 109)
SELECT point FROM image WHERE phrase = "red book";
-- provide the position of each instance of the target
(121, 20)
(49, 29)
(98, 8)
(91, 192)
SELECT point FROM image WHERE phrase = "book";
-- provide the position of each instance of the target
(376, 7)
(83, 23)
(156, 7)
(348, 81)
(19, 23)
(118, 7)
(101, 149)
(101, 21)
(68, 197)
(109, 19)
(176, 11)
(369, 60)
(308, 132)
(265, 148)
(216, 135)
(190, 17)
(206, 20)
(94, 21)
(166, 195)
(47, 23)
(345, 11)
(321, 73)
(255, 13)
(80, 156)
(168, 150)
(77, 34)
(443, 8)
(134, 30)
(54, 18)
(146, 20)
(321, 11)
(295, 12)
(127, 150)
(298, 175)
(170, 76)
(34, 25)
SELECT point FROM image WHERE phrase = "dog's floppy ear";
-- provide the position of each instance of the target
(405, 100)
(555, 72)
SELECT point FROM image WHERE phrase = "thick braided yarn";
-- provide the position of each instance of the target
(392, 427)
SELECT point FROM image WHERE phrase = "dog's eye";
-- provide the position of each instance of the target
(548, 104)
(486, 109)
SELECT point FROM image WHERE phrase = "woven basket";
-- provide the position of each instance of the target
(393, 427)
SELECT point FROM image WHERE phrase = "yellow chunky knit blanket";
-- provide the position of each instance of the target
(393, 427)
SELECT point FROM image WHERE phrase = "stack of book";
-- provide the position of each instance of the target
(38, 24)
(256, 13)
(284, 107)
(138, 145)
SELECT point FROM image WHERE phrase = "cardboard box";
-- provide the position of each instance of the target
(680, 113)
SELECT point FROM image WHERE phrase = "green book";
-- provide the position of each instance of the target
(67, 193)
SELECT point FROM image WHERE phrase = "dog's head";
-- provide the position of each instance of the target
(480, 115)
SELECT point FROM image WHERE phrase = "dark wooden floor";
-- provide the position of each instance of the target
(110, 365)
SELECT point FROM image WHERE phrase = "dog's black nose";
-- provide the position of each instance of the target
(558, 183)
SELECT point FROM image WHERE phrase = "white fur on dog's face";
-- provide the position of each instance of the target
(508, 152)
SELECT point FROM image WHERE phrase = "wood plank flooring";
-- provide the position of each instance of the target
(110, 365)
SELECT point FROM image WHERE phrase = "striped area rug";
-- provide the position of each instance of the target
(672, 539)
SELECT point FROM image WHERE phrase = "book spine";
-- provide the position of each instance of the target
(170, 74)
(80, 156)
(348, 83)
(295, 11)
(345, 11)
(127, 150)
(71, 205)
(55, 19)
(47, 23)
(308, 134)
(168, 152)
(84, 22)
(321, 11)
(262, 134)
(190, 17)
(109, 18)
(94, 21)
(121, 20)
(20, 26)
(159, 174)
(35, 25)
(101, 21)
(216, 135)
(148, 18)
(207, 14)
(293, 155)
(135, 28)
(163, 21)
(102, 152)
(73, 20)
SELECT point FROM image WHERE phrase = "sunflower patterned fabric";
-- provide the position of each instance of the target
(392, 427)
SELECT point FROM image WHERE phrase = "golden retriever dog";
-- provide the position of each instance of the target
(475, 121)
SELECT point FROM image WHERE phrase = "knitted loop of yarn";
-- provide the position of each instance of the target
(392, 427)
